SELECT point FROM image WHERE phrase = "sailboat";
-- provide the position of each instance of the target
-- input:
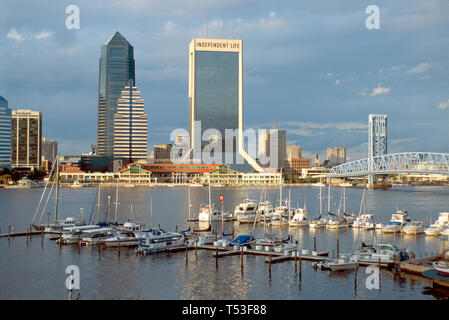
(281, 214)
(336, 221)
(366, 220)
(209, 212)
(57, 225)
(319, 222)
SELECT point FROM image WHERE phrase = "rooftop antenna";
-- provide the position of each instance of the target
(207, 27)
(275, 126)
(223, 27)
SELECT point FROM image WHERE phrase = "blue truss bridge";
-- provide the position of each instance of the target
(395, 163)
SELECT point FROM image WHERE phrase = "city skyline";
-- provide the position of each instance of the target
(328, 74)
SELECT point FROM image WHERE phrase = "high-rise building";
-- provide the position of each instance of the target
(272, 148)
(216, 98)
(162, 153)
(49, 151)
(5, 133)
(117, 67)
(336, 156)
(293, 152)
(130, 126)
(26, 137)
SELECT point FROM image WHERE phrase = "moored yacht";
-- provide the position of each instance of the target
(246, 211)
(397, 222)
(439, 225)
(413, 228)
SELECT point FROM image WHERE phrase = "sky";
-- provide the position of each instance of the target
(312, 65)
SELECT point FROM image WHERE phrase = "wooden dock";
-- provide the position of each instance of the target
(423, 267)
(24, 234)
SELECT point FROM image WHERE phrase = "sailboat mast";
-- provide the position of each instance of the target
(329, 195)
(189, 203)
(344, 199)
(210, 206)
(98, 202)
(116, 203)
(321, 199)
(57, 187)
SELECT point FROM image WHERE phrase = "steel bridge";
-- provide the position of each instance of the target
(406, 162)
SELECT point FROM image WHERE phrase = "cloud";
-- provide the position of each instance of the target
(43, 35)
(420, 68)
(337, 81)
(391, 69)
(71, 50)
(14, 34)
(375, 91)
(443, 105)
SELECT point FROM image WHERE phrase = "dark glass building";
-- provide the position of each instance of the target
(117, 66)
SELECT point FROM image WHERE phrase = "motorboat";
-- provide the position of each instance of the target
(264, 210)
(158, 240)
(95, 236)
(246, 212)
(445, 234)
(71, 235)
(318, 184)
(59, 225)
(123, 239)
(397, 222)
(207, 213)
(242, 240)
(285, 248)
(413, 228)
(441, 267)
(299, 218)
(342, 263)
(383, 253)
(439, 225)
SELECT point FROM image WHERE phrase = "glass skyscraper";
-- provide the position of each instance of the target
(117, 67)
(216, 96)
(5, 133)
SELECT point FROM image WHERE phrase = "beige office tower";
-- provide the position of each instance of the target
(336, 155)
(26, 137)
(130, 126)
(293, 152)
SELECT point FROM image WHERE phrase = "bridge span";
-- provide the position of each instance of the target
(395, 163)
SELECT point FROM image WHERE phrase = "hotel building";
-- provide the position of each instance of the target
(26, 137)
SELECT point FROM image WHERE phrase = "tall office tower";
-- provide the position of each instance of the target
(216, 98)
(117, 66)
(293, 152)
(5, 133)
(49, 151)
(26, 137)
(272, 148)
(130, 126)
(336, 156)
(377, 140)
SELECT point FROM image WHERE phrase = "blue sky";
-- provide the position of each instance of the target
(313, 65)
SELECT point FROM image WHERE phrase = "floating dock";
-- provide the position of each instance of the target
(423, 267)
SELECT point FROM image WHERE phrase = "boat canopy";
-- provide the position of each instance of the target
(243, 239)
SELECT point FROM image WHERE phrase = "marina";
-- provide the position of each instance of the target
(259, 262)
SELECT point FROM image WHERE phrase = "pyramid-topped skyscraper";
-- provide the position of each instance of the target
(117, 67)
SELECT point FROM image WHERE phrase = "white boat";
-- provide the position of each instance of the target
(218, 185)
(245, 212)
(337, 223)
(364, 221)
(340, 264)
(319, 222)
(123, 239)
(94, 236)
(441, 267)
(413, 228)
(264, 210)
(397, 222)
(318, 184)
(383, 253)
(59, 225)
(207, 214)
(346, 184)
(157, 240)
(445, 234)
(280, 216)
(130, 185)
(285, 248)
(194, 184)
(299, 219)
(77, 184)
(439, 225)
(71, 235)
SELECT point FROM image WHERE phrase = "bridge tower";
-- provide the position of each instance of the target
(377, 141)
